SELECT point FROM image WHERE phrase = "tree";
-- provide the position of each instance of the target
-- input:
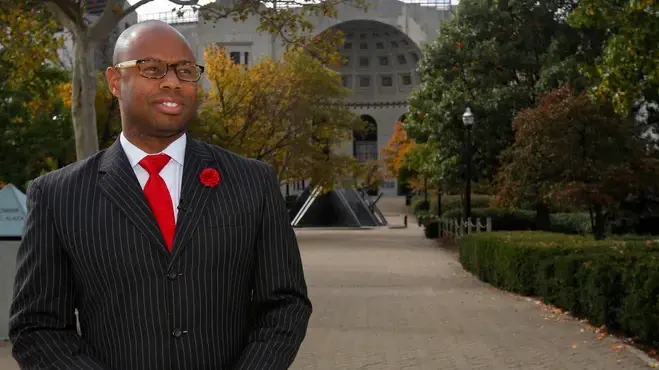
(289, 113)
(292, 25)
(28, 40)
(394, 157)
(573, 150)
(35, 126)
(395, 153)
(495, 57)
(628, 70)
(106, 106)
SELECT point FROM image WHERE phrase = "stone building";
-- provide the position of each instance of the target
(383, 46)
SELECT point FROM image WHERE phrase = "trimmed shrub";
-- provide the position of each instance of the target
(611, 282)
(454, 202)
(424, 217)
(449, 203)
(639, 311)
(420, 205)
(571, 223)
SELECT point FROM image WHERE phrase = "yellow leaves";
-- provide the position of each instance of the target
(51, 163)
(283, 112)
(104, 98)
(28, 39)
(395, 153)
(65, 93)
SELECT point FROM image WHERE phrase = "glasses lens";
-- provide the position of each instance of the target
(188, 72)
(153, 68)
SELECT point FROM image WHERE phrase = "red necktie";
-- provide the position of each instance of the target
(158, 196)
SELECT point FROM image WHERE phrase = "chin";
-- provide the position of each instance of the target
(169, 131)
(171, 127)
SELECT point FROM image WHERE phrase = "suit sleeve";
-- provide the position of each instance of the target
(42, 325)
(281, 307)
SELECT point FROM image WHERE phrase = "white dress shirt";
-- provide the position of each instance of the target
(172, 173)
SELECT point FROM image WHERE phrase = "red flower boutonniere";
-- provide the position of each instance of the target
(209, 177)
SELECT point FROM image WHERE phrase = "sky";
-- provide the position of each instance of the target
(165, 6)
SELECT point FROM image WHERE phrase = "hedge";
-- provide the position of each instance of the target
(420, 206)
(449, 203)
(518, 220)
(611, 282)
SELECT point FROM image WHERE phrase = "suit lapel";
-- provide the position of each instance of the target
(119, 183)
(194, 194)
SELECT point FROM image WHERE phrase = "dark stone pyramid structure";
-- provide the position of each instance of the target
(340, 207)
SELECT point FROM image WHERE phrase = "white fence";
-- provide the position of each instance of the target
(455, 228)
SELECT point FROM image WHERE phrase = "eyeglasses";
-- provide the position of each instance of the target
(156, 69)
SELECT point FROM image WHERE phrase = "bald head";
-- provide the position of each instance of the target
(152, 32)
(157, 84)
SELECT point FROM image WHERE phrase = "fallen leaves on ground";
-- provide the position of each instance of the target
(618, 347)
(558, 314)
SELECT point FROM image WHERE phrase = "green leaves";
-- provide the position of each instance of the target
(629, 65)
(35, 126)
(496, 57)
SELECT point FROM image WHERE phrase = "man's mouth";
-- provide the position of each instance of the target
(169, 106)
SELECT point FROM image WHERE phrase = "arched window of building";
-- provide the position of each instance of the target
(365, 142)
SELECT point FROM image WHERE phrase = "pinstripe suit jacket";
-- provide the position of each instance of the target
(230, 295)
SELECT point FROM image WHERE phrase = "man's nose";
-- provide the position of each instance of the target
(170, 81)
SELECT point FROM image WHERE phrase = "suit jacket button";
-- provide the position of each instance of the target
(172, 275)
(177, 333)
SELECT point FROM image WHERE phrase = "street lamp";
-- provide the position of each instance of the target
(468, 121)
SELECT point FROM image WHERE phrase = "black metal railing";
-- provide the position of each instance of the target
(172, 17)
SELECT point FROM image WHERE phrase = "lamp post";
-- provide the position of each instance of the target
(468, 121)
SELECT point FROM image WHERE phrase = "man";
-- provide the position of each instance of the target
(178, 255)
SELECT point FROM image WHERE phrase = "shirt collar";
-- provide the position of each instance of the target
(175, 150)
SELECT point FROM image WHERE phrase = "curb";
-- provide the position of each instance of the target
(649, 361)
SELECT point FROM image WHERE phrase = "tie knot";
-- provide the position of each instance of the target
(154, 163)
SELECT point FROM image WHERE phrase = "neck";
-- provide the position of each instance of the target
(150, 144)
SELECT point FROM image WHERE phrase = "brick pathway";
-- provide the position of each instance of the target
(388, 299)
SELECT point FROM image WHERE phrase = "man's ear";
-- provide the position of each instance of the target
(113, 78)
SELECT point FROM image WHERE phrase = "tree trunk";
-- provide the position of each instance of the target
(107, 127)
(83, 109)
(543, 221)
(439, 202)
(600, 222)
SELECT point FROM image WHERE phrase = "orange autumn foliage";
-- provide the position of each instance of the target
(395, 153)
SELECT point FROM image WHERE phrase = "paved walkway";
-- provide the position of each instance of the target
(389, 299)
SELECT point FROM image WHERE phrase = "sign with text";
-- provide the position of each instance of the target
(12, 212)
